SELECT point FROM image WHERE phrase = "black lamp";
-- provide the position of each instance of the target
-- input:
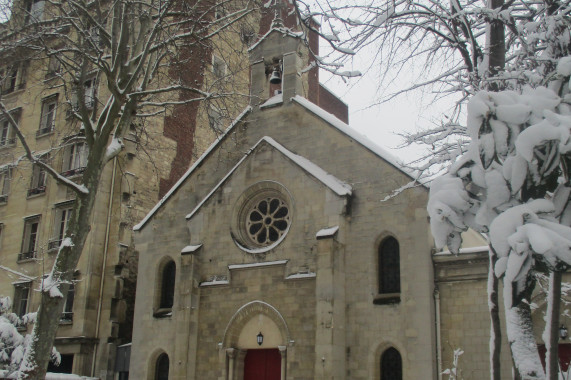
(563, 332)
(260, 338)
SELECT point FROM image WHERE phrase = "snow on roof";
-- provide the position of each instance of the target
(257, 265)
(361, 139)
(283, 30)
(481, 249)
(326, 232)
(190, 249)
(191, 169)
(19, 274)
(336, 185)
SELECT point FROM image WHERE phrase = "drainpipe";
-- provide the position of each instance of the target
(438, 337)
(104, 264)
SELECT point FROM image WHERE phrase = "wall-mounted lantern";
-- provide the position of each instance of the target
(563, 332)
(260, 338)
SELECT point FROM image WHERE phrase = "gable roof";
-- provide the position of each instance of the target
(336, 185)
(313, 108)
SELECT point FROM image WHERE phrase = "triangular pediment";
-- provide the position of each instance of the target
(334, 184)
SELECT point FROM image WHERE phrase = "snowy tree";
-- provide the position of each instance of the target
(510, 60)
(119, 65)
(514, 183)
(12, 343)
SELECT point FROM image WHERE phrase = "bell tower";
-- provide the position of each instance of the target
(278, 60)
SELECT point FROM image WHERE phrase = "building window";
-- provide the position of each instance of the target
(391, 365)
(162, 367)
(74, 159)
(21, 297)
(48, 118)
(62, 215)
(65, 365)
(388, 272)
(5, 179)
(30, 238)
(35, 10)
(67, 315)
(38, 182)
(54, 66)
(218, 67)
(215, 119)
(88, 95)
(7, 137)
(166, 295)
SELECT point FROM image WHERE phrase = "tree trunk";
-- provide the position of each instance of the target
(495, 329)
(551, 334)
(37, 356)
(523, 347)
(496, 45)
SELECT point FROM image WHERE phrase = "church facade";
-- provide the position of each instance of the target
(274, 257)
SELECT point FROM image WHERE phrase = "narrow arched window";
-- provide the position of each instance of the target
(162, 367)
(167, 285)
(391, 365)
(389, 266)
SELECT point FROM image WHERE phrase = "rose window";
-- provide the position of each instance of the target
(267, 221)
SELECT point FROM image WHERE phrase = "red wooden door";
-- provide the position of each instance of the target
(262, 365)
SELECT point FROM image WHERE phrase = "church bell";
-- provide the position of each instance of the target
(276, 77)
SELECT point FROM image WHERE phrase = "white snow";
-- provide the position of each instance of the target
(113, 148)
(273, 101)
(214, 282)
(190, 248)
(300, 275)
(257, 265)
(326, 232)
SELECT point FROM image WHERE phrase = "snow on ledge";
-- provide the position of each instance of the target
(214, 283)
(297, 276)
(481, 249)
(273, 101)
(326, 232)
(190, 249)
(19, 274)
(257, 265)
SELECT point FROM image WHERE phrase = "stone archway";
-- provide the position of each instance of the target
(252, 319)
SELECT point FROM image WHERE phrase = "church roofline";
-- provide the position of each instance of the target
(198, 162)
(333, 183)
(361, 139)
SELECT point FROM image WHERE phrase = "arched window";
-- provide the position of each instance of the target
(389, 266)
(166, 291)
(391, 365)
(162, 367)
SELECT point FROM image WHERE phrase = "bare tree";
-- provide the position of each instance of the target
(117, 63)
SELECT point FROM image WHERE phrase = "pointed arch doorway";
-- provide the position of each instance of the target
(248, 358)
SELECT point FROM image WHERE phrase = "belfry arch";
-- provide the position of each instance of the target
(254, 319)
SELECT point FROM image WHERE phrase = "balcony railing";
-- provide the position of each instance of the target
(37, 190)
(44, 131)
(26, 255)
(72, 172)
(54, 244)
(67, 317)
(7, 142)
